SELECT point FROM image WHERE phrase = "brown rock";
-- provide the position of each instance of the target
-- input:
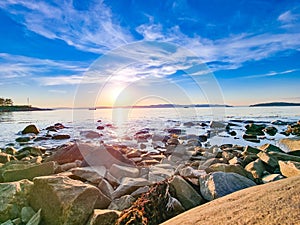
(63, 200)
(289, 168)
(31, 129)
(104, 217)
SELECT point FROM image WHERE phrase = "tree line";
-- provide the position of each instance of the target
(6, 102)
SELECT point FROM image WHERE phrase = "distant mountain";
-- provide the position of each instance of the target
(171, 106)
(275, 104)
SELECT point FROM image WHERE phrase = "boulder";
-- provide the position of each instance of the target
(270, 130)
(222, 167)
(63, 200)
(284, 156)
(31, 129)
(121, 203)
(29, 172)
(106, 188)
(218, 184)
(4, 157)
(272, 177)
(185, 193)
(13, 197)
(255, 129)
(159, 173)
(190, 172)
(268, 159)
(35, 219)
(248, 150)
(273, 203)
(10, 150)
(27, 213)
(290, 144)
(256, 168)
(103, 217)
(217, 125)
(91, 174)
(23, 139)
(129, 185)
(61, 137)
(119, 171)
(270, 148)
(90, 134)
(289, 168)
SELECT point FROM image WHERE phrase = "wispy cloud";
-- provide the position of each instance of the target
(92, 30)
(56, 91)
(271, 74)
(26, 69)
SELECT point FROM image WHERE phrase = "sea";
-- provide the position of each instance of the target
(125, 122)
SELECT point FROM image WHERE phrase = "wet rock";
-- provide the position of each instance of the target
(202, 138)
(13, 196)
(119, 171)
(61, 137)
(121, 203)
(100, 127)
(90, 134)
(279, 122)
(289, 168)
(256, 168)
(185, 193)
(232, 133)
(41, 139)
(23, 139)
(255, 129)
(31, 129)
(28, 172)
(189, 124)
(284, 157)
(293, 129)
(33, 150)
(218, 184)
(251, 138)
(270, 130)
(129, 185)
(217, 125)
(103, 217)
(63, 200)
(175, 131)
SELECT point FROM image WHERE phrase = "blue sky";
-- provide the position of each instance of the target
(49, 48)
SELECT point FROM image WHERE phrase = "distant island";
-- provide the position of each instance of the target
(162, 106)
(20, 108)
(275, 104)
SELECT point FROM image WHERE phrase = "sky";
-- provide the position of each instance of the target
(64, 53)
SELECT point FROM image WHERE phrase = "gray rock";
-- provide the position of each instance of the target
(121, 203)
(103, 217)
(35, 219)
(106, 188)
(218, 184)
(256, 168)
(289, 168)
(270, 148)
(129, 185)
(248, 150)
(191, 172)
(272, 177)
(284, 156)
(185, 193)
(63, 200)
(26, 214)
(8, 222)
(91, 174)
(29, 172)
(222, 167)
(123, 171)
(13, 196)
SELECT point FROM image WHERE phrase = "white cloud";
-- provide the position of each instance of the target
(91, 30)
(287, 17)
(270, 74)
(56, 91)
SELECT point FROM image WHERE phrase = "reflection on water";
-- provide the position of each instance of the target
(128, 121)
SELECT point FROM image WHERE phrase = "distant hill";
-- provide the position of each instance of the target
(20, 108)
(170, 106)
(275, 104)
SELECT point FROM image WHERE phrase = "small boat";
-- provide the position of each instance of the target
(92, 108)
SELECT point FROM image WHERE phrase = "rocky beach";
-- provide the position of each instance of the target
(153, 175)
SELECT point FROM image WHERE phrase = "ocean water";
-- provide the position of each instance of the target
(126, 122)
